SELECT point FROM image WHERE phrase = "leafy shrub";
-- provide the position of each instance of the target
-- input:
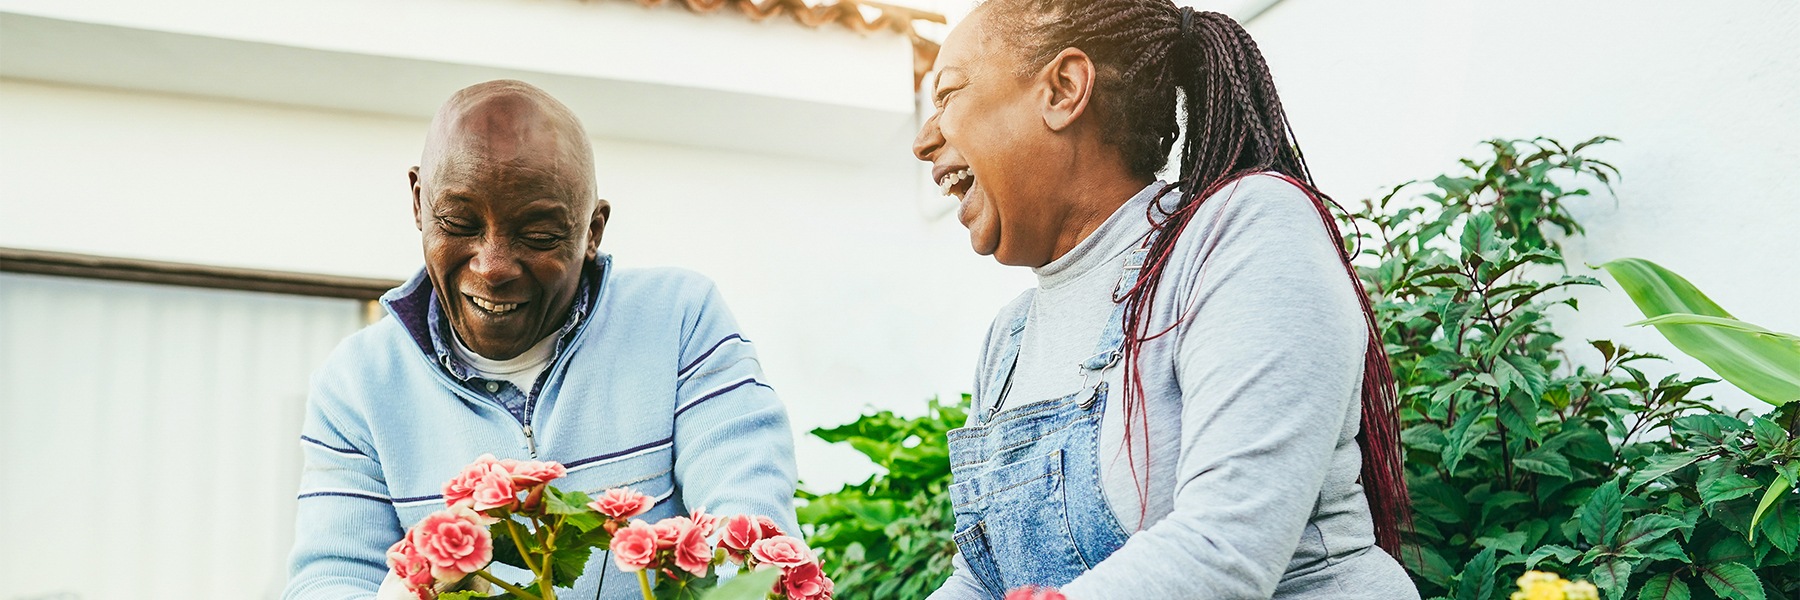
(890, 536)
(1519, 455)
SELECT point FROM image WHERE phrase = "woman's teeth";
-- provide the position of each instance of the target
(492, 307)
(947, 187)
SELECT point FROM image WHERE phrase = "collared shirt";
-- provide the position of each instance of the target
(515, 400)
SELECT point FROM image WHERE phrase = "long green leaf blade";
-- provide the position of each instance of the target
(1765, 366)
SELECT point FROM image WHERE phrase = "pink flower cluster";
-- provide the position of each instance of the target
(1035, 593)
(490, 483)
(755, 542)
(445, 547)
(494, 497)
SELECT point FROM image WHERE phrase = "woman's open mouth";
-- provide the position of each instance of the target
(957, 183)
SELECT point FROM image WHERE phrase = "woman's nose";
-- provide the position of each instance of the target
(929, 139)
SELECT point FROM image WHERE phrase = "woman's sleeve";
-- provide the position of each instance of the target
(1269, 366)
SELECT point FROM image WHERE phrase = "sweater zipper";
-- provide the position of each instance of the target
(530, 442)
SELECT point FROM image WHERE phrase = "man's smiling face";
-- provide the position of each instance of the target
(505, 204)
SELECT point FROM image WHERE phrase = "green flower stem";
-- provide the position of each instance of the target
(644, 584)
(513, 589)
(512, 531)
(546, 582)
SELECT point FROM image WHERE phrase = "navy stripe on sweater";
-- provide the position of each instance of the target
(708, 353)
(632, 450)
(346, 495)
(332, 448)
(719, 392)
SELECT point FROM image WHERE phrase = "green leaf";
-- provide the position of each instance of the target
(754, 585)
(1645, 529)
(1665, 586)
(1603, 513)
(1720, 481)
(1611, 574)
(1477, 581)
(1545, 462)
(1783, 523)
(1732, 581)
(568, 563)
(1766, 367)
(1667, 547)
(1693, 319)
(461, 595)
(1426, 563)
(1562, 554)
(1661, 466)
(557, 502)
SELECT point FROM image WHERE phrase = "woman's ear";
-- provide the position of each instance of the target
(1069, 80)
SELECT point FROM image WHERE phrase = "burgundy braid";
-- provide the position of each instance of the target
(1236, 127)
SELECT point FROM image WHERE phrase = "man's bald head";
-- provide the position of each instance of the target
(510, 121)
(505, 204)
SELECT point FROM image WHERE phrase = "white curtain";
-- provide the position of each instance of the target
(148, 436)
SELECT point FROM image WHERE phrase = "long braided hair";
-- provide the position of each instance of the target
(1148, 56)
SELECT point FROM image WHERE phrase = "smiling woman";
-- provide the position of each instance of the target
(1228, 430)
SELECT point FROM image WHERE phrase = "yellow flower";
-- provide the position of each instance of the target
(1538, 585)
(1581, 590)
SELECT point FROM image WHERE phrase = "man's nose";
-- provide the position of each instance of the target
(929, 139)
(494, 261)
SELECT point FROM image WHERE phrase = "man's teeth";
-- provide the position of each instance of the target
(492, 307)
(952, 179)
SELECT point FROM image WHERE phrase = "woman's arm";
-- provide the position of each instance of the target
(1269, 367)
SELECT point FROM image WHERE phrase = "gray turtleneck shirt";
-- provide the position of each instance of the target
(1252, 408)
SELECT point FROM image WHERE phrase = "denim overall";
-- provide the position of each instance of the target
(1030, 509)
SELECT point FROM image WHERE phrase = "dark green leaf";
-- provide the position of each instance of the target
(1562, 554)
(1648, 528)
(1781, 524)
(1603, 513)
(1720, 481)
(1662, 465)
(1732, 581)
(1665, 586)
(1477, 579)
(1611, 574)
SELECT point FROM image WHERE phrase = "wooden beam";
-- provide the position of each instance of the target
(85, 266)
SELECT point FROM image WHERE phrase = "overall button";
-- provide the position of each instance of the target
(493, 386)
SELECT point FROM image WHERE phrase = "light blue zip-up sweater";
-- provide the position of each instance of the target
(658, 390)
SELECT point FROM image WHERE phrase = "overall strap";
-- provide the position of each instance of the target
(1107, 350)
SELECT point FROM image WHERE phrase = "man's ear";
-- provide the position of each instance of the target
(596, 227)
(1069, 81)
(412, 177)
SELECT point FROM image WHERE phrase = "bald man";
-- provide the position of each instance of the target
(519, 338)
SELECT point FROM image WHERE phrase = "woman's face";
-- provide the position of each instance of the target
(990, 149)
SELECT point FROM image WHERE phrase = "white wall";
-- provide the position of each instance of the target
(854, 298)
(1705, 95)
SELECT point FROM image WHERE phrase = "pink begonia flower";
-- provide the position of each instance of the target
(482, 485)
(1035, 593)
(769, 528)
(529, 473)
(670, 530)
(454, 541)
(634, 546)
(410, 566)
(707, 523)
(692, 552)
(781, 550)
(806, 581)
(740, 532)
(622, 503)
